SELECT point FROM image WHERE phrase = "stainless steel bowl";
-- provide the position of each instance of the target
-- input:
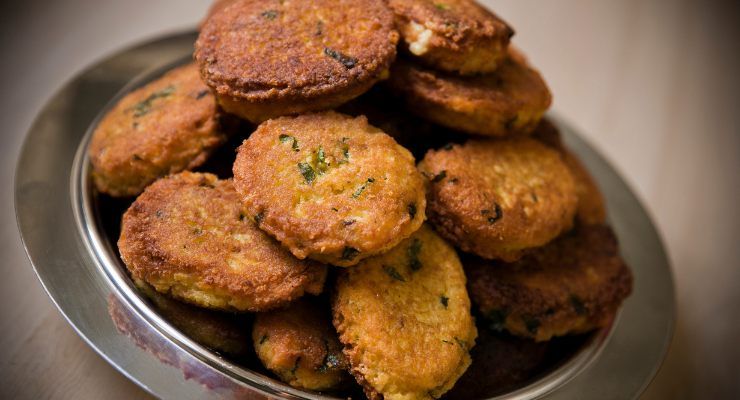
(77, 262)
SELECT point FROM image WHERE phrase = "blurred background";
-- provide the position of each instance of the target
(652, 84)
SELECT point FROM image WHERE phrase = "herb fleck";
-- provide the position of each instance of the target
(393, 273)
(578, 305)
(497, 319)
(454, 180)
(362, 187)
(440, 176)
(331, 361)
(287, 138)
(335, 209)
(347, 61)
(463, 344)
(348, 222)
(258, 218)
(532, 324)
(242, 216)
(295, 367)
(137, 157)
(202, 94)
(413, 253)
(412, 210)
(319, 28)
(309, 175)
(263, 339)
(349, 253)
(447, 341)
(270, 14)
(441, 6)
(444, 300)
(143, 107)
(497, 216)
(159, 213)
(321, 164)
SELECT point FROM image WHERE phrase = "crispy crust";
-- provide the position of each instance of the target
(453, 35)
(510, 101)
(350, 206)
(572, 285)
(591, 202)
(167, 126)
(300, 345)
(404, 319)
(188, 236)
(499, 198)
(270, 58)
(223, 332)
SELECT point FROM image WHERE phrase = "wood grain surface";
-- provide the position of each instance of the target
(653, 85)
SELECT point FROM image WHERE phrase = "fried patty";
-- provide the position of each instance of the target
(223, 332)
(267, 58)
(404, 319)
(572, 285)
(508, 102)
(299, 344)
(453, 35)
(499, 198)
(591, 203)
(329, 186)
(188, 236)
(165, 127)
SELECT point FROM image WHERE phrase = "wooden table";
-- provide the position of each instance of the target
(652, 83)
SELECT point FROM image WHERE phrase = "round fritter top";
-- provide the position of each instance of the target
(260, 50)
(453, 35)
(497, 198)
(187, 235)
(329, 186)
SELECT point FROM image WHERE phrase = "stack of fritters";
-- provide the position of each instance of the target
(316, 191)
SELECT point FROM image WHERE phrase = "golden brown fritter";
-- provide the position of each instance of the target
(453, 35)
(267, 58)
(226, 333)
(572, 285)
(508, 102)
(591, 203)
(300, 345)
(404, 319)
(499, 198)
(165, 127)
(329, 186)
(188, 236)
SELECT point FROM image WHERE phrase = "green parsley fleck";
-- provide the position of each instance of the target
(362, 187)
(412, 210)
(439, 176)
(413, 254)
(290, 139)
(258, 218)
(270, 14)
(347, 61)
(441, 6)
(309, 175)
(393, 273)
(145, 106)
(498, 213)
